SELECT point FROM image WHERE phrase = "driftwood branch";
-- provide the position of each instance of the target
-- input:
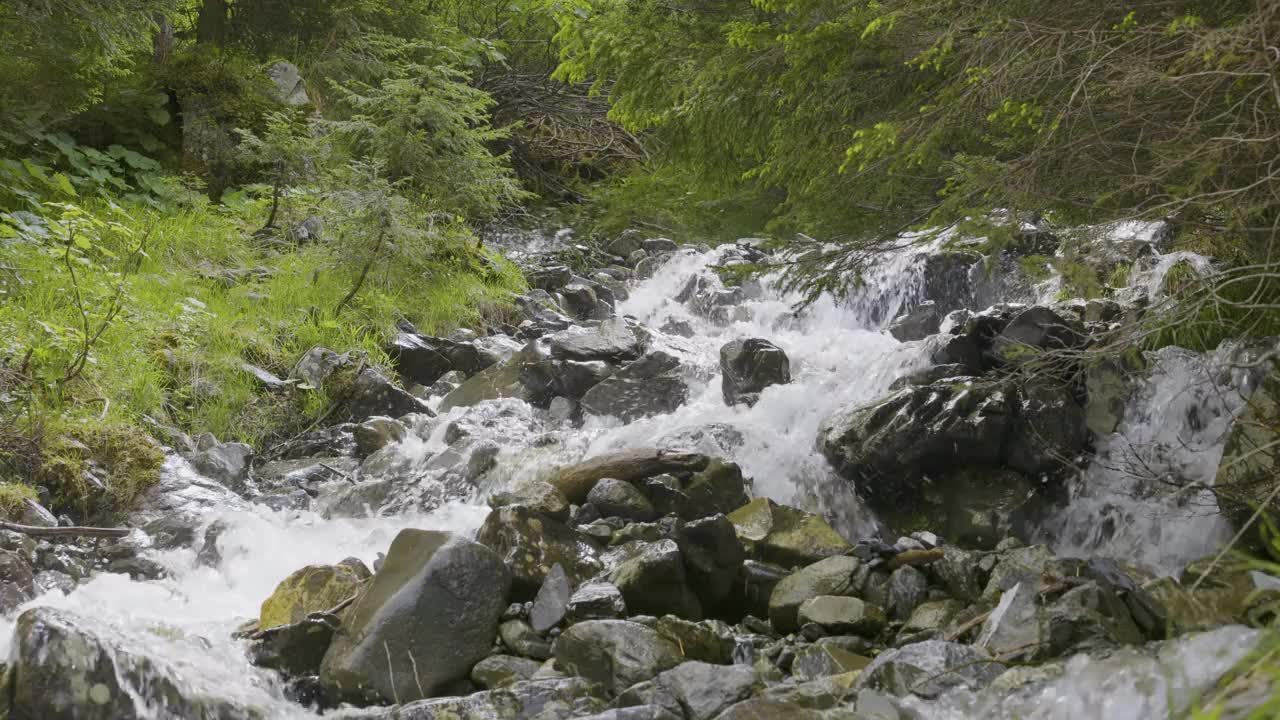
(73, 531)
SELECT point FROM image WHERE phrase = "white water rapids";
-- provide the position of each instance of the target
(837, 358)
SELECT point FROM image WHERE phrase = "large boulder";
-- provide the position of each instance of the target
(920, 322)
(702, 690)
(615, 653)
(1035, 330)
(427, 617)
(713, 557)
(314, 588)
(424, 360)
(749, 366)
(576, 481)
(531, 544)
(841, 615)
(652, 385)
(784, 535)
(63, 667)
(611, 341)
(228, 463)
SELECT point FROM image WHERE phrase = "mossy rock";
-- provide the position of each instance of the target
(314, 588)
(99, 471)
(784, 535)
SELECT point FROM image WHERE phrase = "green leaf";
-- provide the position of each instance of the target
(64, 184)
(159, 116)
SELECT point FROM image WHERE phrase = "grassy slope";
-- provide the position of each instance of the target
(175, 352)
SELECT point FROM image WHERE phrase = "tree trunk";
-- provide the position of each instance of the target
(211, 25)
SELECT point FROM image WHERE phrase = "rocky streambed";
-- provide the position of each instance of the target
(659, 496)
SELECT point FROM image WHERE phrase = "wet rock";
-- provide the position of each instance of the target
(17, 581)
(574, 378)
(658, 246)
(931, 375)
(768, 709)
(652, 385)
(888, 446)
(920, 322)
(653, 581)
(648, 265)
(703, 690)
(841, 615)
(318, 364)
(296, 649)
(227, 463)
(1014, 629)
(1021, 565)
(520, 638)
(908, 587)
(613, 341)
(1049, 432)
(531, 544)
(785, 535)
(618, 498)
(526, 700)
(427, 617)
(1107, 386)
(678, 328)
(1250, 465)
(1088, 617)
(819, 661)
(958, 572)
(315, 588)
(615, 653)
(552, 601)
(720, 488)
(576, 481)
(550, 277)
(706, 641)
(540, 497)
(713, 557)
(749, 366)
(637, 712)
(1033, 330)
(376, 433)
(497, 671)
(373, 394)
(596, 601)
(931, 617)
(839, 576)
(61, 669)
(929, 669)
(425, 360)
(627, 242)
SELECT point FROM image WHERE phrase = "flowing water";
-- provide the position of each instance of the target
(839, 354)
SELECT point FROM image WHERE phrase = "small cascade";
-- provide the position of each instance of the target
(1145, 496)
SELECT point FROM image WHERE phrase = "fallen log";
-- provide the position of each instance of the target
(71, 531)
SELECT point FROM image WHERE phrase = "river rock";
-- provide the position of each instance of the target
(373, 394)
(17, 581)
(425, 360)
(653, 581)
(228, 463)
(1014, 630)
(596, 601)
(840, 575)
(887, 446)
(531, 544)
(784, 535)
(908, 587)
(318, 364)
(315, 588)
(713, 557)
(703, 690)
(1049, 431)
(749, 366)
(540, 497)
(611, 341)
(296, 649)
(821, 661)
(652, 385)
(769, 709)
(427, 617)
(60, 669)
(842, 615)
(576, 481)
(552, 601)
(929, 669)
(520, 638)
(549, 277)
(720, 488)
(1036, 329)
(497, 671)
(615, 653)
(376, 433)
(920, 322)
(619, 498)
(526, 700)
